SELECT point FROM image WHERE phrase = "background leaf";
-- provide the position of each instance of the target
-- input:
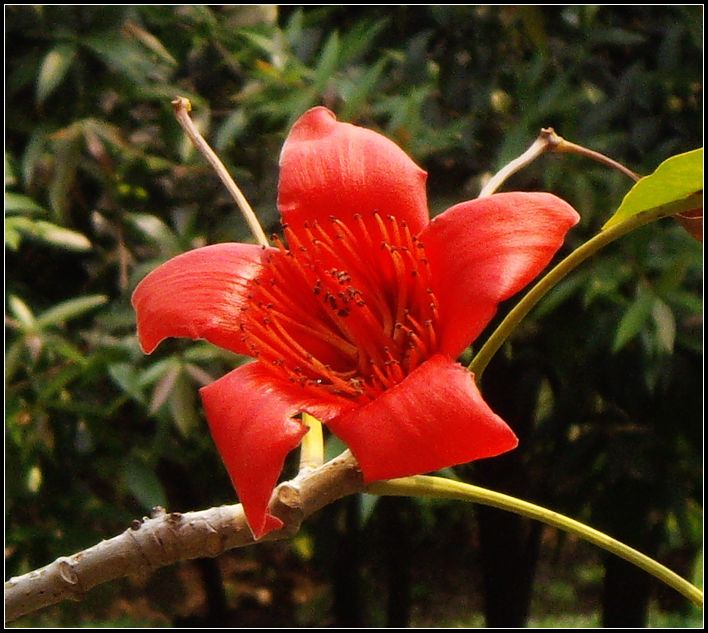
(53, 70)
(143, 484)
(634, 319)
(70, 309)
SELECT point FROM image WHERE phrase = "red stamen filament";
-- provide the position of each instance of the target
(359, 293)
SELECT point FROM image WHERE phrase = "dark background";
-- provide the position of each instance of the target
(603, 383)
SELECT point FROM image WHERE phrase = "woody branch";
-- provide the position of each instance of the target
(172, 537)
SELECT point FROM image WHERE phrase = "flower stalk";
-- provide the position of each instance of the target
(440, 488)
(549, 141)
(182, 107)
(577, 257)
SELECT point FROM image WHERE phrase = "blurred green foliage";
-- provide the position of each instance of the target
(102, 186)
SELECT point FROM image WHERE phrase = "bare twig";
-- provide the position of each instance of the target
(182, 107)
(171, 537)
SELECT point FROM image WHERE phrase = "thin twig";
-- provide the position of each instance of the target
(182, 107)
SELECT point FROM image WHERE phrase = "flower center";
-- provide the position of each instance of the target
(347, 308)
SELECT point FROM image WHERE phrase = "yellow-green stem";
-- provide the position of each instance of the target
(312, 447)
(602, 239)
(439, 488)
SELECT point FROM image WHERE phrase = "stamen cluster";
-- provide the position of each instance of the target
(328, 316)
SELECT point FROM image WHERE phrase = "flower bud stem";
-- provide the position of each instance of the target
(182, 107)
(549, 141)
(440, 488)
(577, 257)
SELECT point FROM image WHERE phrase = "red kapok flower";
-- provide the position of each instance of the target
(358, 317)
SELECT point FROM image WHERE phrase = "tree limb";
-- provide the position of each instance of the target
(172, 537)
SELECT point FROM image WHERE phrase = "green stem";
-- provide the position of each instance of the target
(439, 488)
(312, 446)
(602, 239)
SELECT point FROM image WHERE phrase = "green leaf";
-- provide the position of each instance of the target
(70, 309)
(676, 178)
(182, 404)
(124, 55)
(368, 505)
(125, 376)
(163, 388)
(634, 319)
(328, 61)
(155, 371)
(149, 41)
(12, 236)
(143, 484)
(20, 310)
(10, 178)
(358, 40)
(39, 230)
(362, 89)
(51, 234)
(53, 70)
(13, 357)
(17, 203)
(67, 153)
(154, 229)
(665, 325)
(230, 129)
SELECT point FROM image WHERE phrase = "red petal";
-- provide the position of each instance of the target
(250, 417)
(253, 430)
(337, 169)
(198, 295)
(434, 418)
(483, 251)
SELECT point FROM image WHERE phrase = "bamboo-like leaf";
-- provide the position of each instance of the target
(12, 236)
(163, 388)
(13, 357)
(143, 484)
(20, 310)
(70, 309)
(53, 235)
(125, 376)
(53, 70)
(154, 229)
(183, 405)
(327, 64)
(363, 88)
(234, 124)
(665, 325)
(67, 152)
(17, 203)
(676, 178)
(149, 41)
(199, 376)
(634, 319)
(359, 39)
(10, 177)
